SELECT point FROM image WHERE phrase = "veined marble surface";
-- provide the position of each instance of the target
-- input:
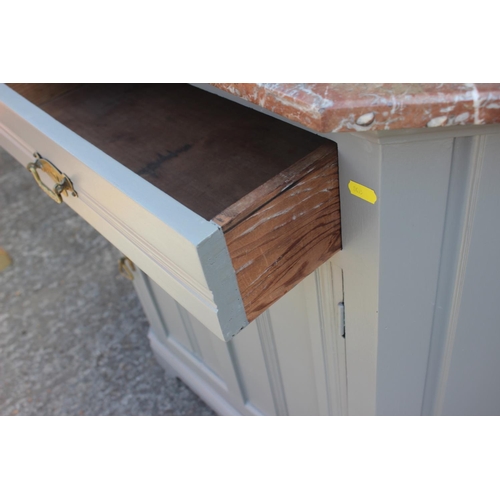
(348, 107)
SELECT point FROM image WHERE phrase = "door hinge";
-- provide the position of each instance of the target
(341, 316)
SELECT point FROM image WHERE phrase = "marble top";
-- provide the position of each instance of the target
(347, 107)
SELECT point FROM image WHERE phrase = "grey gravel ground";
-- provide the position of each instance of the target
(72, 332)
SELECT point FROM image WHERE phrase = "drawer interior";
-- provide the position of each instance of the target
(201, 149)
(272, 187)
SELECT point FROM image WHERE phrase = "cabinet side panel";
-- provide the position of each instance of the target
(464, 366)
(413, 199)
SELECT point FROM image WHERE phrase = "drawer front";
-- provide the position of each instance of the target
(185, 254)
(277, 186)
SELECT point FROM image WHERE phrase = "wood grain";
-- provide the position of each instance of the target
(286, 239)
(203, 150)
(41, 93)
(244, 207)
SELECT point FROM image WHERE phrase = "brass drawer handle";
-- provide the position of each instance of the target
(126, 268)
(63, 183)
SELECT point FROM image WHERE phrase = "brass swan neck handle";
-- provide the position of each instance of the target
(63, 184)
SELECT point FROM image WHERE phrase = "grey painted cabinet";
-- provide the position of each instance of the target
(404, 320)
(289, 361)
(464, 365)
(419, 278)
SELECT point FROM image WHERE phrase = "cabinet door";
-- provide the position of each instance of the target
(289, 361)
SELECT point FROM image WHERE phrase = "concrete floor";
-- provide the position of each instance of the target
(73, 336)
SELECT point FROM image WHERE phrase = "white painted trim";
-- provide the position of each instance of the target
(185, 254)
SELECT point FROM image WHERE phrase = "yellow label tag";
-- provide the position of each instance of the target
(363, 192)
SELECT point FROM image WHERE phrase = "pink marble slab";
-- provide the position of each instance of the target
(343, 107)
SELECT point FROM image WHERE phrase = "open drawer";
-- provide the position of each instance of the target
(224, 207)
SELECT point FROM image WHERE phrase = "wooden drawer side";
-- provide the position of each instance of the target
(285, 239)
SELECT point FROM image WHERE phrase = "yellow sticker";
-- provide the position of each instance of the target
(363, 192)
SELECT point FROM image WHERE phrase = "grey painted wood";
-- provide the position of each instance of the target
(294, 352)
(390, 264)
(414, 343)
(284, 363)
(324, 293)
(145, 289)
(395, 257)
(415, 178)
(417, 274)
(462, 186)
(472, 373)
(229, 374)
(360, 160)
(248, 359)
(186, 348)
(420, 286)
(468, 356)
(195, 375)
(274, 371)
(411, 276)
(420, 275)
